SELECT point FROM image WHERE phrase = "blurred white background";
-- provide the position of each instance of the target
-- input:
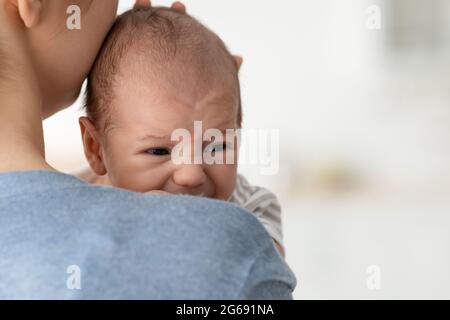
(364, 120)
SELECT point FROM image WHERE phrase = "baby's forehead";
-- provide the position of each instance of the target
(164, 119)
(164, 52)
(182, 75)
(166, 97)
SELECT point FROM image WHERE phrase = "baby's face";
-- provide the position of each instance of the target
(136, 149)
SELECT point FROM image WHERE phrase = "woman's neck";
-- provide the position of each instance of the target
(21, 134)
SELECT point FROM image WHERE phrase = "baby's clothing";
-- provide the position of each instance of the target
(262, 203)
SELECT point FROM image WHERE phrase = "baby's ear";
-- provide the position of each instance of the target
(92, 146)
(30, 11)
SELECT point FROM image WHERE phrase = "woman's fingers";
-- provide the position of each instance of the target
(142, 4)
(239, 61)
(146, 4)
(179, 7)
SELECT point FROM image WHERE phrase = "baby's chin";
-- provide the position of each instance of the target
(208, 195)
(204, 194)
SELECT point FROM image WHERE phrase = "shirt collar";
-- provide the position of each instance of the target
(28, 182)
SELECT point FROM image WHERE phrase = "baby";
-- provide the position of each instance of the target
(160, 71)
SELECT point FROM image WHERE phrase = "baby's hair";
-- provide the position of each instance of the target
(171, 40)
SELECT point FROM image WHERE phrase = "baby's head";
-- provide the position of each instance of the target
(159, 71)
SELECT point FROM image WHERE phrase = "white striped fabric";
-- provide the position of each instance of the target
(262, 203)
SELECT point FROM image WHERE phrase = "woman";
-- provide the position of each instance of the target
(127, 245)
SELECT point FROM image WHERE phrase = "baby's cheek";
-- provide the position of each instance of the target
(142, 177)
(224, 178)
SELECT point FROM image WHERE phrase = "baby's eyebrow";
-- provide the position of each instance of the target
(154, 137)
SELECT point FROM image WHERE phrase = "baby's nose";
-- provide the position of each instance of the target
(190, 176)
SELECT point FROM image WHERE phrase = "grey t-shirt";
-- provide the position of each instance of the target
(64, 239)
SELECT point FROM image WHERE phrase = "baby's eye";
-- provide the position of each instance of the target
(159, 152)
(219, 147)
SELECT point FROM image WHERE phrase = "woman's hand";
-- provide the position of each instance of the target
(144, 4)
